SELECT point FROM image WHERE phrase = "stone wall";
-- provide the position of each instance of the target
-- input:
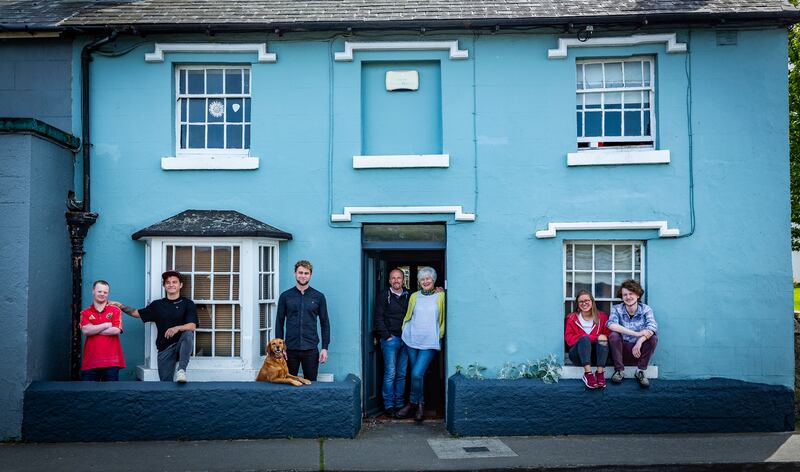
(135, 411)
(531, 407)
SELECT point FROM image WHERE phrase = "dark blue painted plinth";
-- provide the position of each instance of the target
(531, 407)
(127, 411)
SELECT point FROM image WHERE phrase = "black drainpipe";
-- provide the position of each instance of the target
(79, 214)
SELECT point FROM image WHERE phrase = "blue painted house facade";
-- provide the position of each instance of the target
(526, 156)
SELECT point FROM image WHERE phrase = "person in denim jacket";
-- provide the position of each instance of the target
(633, 338)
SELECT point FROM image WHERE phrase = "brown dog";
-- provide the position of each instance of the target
(275, 369)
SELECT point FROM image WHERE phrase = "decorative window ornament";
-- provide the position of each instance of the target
(217, 109)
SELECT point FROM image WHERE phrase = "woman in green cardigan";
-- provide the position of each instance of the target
(423, 329)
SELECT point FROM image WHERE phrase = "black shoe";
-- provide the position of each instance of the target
(419, 416)
(404, 412)
(389, 412)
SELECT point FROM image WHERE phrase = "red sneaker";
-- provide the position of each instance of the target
(600, 377)
(589, 380)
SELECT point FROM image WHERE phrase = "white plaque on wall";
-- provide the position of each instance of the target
(402, 80)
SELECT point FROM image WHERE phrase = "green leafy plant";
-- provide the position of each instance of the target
(475, 371)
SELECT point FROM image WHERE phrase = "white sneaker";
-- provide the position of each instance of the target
(180, 376)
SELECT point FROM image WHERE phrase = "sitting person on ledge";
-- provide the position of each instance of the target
(585, 331)
(633, 339)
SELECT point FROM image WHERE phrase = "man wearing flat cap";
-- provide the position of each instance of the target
(176, 319)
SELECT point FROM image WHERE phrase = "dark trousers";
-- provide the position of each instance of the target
(101, 374)
(309, 358)
(622, 352)
(581, 352)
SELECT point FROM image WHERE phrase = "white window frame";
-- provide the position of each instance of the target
(242, 368)
(620, 153)
(651, 90)
(613, 299)
(209, 158)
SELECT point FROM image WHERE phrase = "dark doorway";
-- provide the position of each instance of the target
(408, 247)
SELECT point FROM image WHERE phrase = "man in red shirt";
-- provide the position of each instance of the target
(101, 323)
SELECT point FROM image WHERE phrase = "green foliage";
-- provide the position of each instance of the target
(794, 132)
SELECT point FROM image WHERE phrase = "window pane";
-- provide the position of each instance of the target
(204, 316)
(197, 136)
(197, 110)
(593, 121)
(222, 287)
(647, 130)
(633, 123)
(583, 281)
(216, 111)
(613, 124)
(181, 81)
(237, 316)
(569, 287)
(579, 76)
(214, 81)
(183, 136)
(223, 346)
(222, 259)
(186, 291)
(569, 256)
(594, 75)
(183, 258)
(184, 104)
(646, 73)
(583, 256)
(247, 136)
(263, 312)
(234, 137)
(637, 257)
(247, 81)
(235, 110)
(263, 345)
(247, 110)
(216, 136)
(602, 257)
(233, 81)
(622, 257)
(237, 345)
(196, 81)
(579, 123)
(592, 100)
(202, 259)
(202, 287)
(633, 74)
(235, 258)
(223, 317)
(202, 343)
(613, 100)
(235, 294)
(633, 100)
(602, 285)
(613, 74)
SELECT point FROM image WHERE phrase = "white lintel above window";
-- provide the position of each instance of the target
(259, 48)
(401, 161)
(622, 156)
(669, 39)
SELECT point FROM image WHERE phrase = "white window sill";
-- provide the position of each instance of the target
(215, 374)
(401, 161)
(209, 163)
(605, 157)
(576, 372)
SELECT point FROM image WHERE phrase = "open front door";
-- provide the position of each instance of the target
(374, 268)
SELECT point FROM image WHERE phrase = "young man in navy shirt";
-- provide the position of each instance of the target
(299, 309)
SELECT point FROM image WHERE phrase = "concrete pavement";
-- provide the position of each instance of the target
(405, 446)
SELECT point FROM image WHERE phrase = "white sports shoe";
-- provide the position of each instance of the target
(180, 376)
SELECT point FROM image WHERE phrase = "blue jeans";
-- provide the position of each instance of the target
(101, 374)
(420, 360)
(395, 365)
